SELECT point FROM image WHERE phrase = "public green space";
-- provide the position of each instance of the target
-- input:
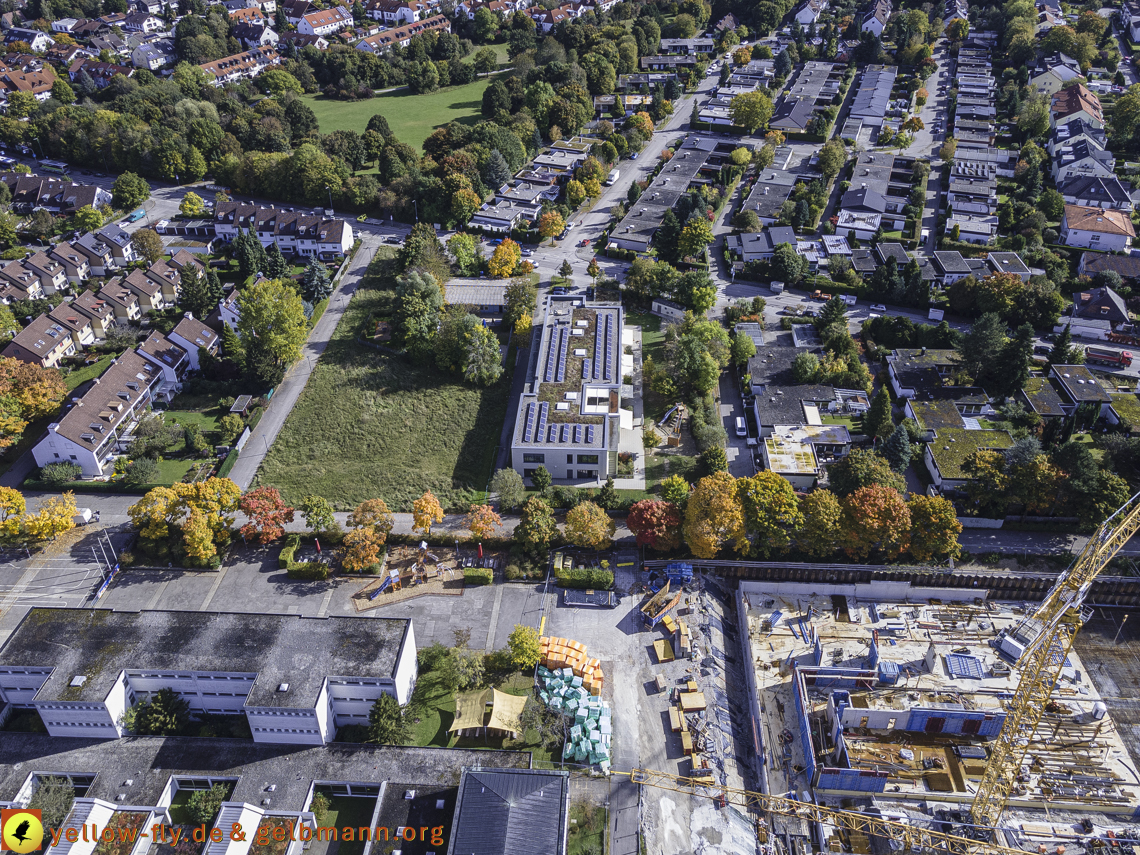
(411, 117)
(373, 423)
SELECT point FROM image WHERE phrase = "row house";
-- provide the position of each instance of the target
(383, 41)
(123, 301)
(52, 274)
(502, 8)
(248, 15)
(118, 241)
(1082, 159)
(143, 22)
(396, 12)
(547, 19)
(258, 35)
(1096, 191)
(54, 194)
(75, 265)
(325, 22)
(28, 282)
(241, 66)
(689, 47)
(299, 41)
(43, 342)
(88, 434)
(192, 336)
(76, 322)
(170, 359)
(1076, 102)
(99, 312)
(294, 232)
(97, 252)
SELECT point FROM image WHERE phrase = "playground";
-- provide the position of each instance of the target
(411, 571)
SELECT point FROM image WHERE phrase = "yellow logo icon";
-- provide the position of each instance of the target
(21, 831)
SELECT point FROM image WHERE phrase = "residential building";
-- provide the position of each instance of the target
(1078, 386)
(256, 35)
(914, 371)
(1094, 228)
(772, 189)
(229, 310)
(191, 334)
(973, 228)
(119, 242)
(569, 418)
(52, 274)
(1009, 262)
(1053, 73)
(949, 266)
(294, 232)
(1100, 304)
(99, 312)
(76, 267)
(154, 56)
(1076, 102)
(1040, 395)
(54, 194)
(143, 22)
(22, 283)
(171, 359)
(97, 252)
(383, 41)
(296, 679)
(875, 20)
(1092, 263)
(101, 73)
(241, 66)
(760, 246)
(43, 342)
(1096, 191)
(325, 22)
(123, 301)
(38, 83)
(1073, 132)
(809, 11)
(1082, 158)
(511, 810)
(873, 97)
(799, 453)
(502, 214)
(692, 47)
(76, 322)
(37, 41)
(814, 87)
(946, 454)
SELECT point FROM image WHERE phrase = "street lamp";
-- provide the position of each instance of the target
(329, 188)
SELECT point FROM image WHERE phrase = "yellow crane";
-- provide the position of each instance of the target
(1059, 617)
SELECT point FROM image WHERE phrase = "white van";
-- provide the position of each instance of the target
(741, 426)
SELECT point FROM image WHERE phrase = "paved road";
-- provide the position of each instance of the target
(289, 390)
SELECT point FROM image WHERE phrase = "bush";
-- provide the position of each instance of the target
(477, 576)
(309, 570)
(285, 557)
(225, 403)
(585, 577)
(58, 474)
(513, 572)
(142, 471)
(205, 804)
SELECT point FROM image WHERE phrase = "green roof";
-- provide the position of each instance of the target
(936, 415)
(1042, 397)
(952, 446)
(1127, 406)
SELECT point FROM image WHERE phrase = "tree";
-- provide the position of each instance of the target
(482, 521)
(509, 487)
(230, 427)
(934, 528)
(787, 265)
(271, 323)
(361, 549)
(505, 259)
(541, 479)
(250, 254)
(53, 798)
(675, 489)
(714, 515)
(483, 363)
(386, 722)
(979, 352)
(426, 511)
(743, 348)
(55, 516)
(200, 294)
(696, 235)
(276, 267)
(949, 149)
(805, 368)
(129, 191)
(148, 244)
(656, 524)
(896, 449)
(589, 526)
(607, 496)
(536, 528)
(204, 805)
(373, 514)
(771, 512)
(861, 469)
(834, 311)
(27, 392)
(192, 205)
(875, 520)
(165, 714)
(878, 423)
(958, 29)
(593, 270)
(201, 512)
(832, 157)
(268, 514)
(1052, 204)
(564, 269)
(550, 225)
(526, 651)
(1016, 360)
(316, 284)
(464, 250)
(822, 514)
(87, 219)
(1063, 352)
(317, 512)
(751, 110)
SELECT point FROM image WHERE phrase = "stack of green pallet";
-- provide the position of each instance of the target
(592, 731)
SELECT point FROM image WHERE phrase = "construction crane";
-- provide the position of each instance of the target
(913, 837)
(1058, 620)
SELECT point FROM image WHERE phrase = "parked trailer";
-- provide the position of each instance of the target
(1104, 356)
(578, 597)
(935, 314)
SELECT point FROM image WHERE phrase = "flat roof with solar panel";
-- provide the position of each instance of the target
(573, 393)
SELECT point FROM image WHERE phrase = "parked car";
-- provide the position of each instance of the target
(1042, 350)
(528, 252)
(584, 242)
(878, 307)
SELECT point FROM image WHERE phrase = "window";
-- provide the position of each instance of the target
(570, 458)
(588, 458)
(534, 458)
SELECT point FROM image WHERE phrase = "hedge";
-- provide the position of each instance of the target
(228, 463)
(315, 570)
(285, 557)
(477, 576)
(585, 577)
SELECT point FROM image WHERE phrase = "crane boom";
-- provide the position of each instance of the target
(1060, 618)
(913, 837)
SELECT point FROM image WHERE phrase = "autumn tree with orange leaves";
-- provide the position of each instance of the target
(482, 521)
(656, 524)
(268, 514)
(27, 392)
(426, 512)
(875, 520)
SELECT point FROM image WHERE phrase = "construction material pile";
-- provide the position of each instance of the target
(589, 737)
(559, 653)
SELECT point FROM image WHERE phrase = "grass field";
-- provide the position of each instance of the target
(372, 424)
(587, 835)
(411, 117)
(87, 372)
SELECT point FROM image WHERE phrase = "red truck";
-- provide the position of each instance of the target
(1104, 356)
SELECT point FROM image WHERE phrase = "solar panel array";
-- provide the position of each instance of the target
(609, 346)
(577, 434)
(964, 665)
(565, 433)
(543, 409)
(597, 347)
(589, 434)
(563, 346)
(528, 434)
(586, 369)
(556, 356)
(548, 377)
(553, 434)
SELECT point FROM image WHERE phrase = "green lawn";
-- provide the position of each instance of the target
(373, 424)
(173, 471)
(345, 812)
(87, 372)
(411, 117)
(855, 425)
(587, 829)
(183, 417)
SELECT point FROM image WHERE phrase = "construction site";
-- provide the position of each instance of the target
(894, 694)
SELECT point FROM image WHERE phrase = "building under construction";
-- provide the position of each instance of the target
(886, 697)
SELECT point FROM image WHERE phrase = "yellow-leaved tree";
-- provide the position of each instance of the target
(12, 507)
(426, 512)
(505, 259)
(202, 513)
(482, 521)
(55, 516)
(714, 516)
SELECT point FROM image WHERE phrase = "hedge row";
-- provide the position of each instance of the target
(477, 576)
(299, 570)
(585, 577)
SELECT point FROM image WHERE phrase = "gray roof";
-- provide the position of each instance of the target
(895, 251)
(299, 650)
(1089, 303)
(772, 365)
(1079, 384)
(1095, 189)
(1008, 262)
(292, 769)
(517, 811)
(951, 262)
(874, 94)
(864, 200)
(477, 293)
(783, 405)
(1093, 263)
(863, 260)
